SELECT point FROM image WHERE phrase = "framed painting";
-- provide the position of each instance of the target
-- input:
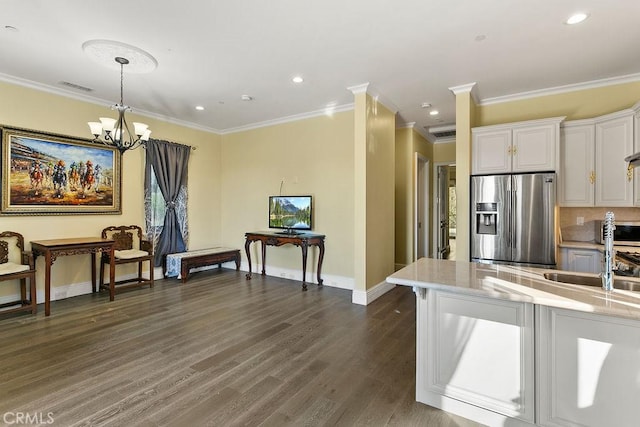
(49, 174)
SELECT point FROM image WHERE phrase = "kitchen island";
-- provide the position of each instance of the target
(502, 345)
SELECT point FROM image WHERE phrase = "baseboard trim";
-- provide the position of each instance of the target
(370, 295)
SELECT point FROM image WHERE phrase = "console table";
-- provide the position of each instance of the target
(51, 249)
(271, 238)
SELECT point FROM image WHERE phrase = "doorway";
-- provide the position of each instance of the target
(445, 220)
(421, 213)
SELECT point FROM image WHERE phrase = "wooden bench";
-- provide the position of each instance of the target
(198, 258)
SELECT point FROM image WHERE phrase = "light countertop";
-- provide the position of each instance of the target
(513, 283)
(599, 246)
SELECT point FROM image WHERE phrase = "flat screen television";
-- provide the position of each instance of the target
(291, 213)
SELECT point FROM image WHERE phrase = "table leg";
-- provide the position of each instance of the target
(320, 258)
(304, 248)
(112, 274)
(247, 245)
(264, 255)
(47, 283)
(93, 271)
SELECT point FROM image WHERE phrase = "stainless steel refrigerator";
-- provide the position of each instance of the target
(513, 219)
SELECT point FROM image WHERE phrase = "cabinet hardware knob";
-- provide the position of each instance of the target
(629, 172)
(592, 177)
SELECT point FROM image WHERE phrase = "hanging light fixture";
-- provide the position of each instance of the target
(117, 132)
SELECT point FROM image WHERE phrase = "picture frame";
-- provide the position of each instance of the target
(51, 174)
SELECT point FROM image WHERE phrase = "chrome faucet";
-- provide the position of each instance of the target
(607, 270)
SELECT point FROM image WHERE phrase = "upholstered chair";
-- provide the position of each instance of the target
(130, 247)
(17, 264)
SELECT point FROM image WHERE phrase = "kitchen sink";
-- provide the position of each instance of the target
(577, 279)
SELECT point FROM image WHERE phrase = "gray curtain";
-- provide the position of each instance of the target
(169, 162)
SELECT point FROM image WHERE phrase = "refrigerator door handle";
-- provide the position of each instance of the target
(514, 203)
(509, 204)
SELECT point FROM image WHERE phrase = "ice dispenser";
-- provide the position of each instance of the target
(486, 218)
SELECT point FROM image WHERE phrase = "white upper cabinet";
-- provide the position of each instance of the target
(614, 178)
(592, 168)
(577, 164)
(530, 146)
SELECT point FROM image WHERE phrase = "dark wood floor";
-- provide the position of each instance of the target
(220, 351)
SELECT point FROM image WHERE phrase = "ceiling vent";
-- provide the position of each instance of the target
(448, 131)
(76, 87)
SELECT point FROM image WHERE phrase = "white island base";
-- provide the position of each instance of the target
(508, 350)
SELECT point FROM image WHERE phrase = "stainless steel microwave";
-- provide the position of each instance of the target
(626, 232)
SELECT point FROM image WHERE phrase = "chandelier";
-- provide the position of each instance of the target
(117, 132)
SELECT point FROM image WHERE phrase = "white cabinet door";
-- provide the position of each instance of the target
(614, 180)
(530, 146)
(491, 152)
(581, 260)
(577, 165)
(588, 369)
(477, 350)
(534, 148)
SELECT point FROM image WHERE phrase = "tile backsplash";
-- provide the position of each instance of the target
(570, 231)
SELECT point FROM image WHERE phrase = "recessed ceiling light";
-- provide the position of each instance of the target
(426, 105)
(246, 98)
(297, 79)
(434, 112)
(576, 18)
(11, 28)
(199, 107)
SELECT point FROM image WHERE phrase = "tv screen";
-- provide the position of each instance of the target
(290, 212)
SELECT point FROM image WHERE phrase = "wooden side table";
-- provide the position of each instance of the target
(51, 249)
(303, 240)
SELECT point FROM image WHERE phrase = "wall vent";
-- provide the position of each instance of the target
(443, 131)
(77, 87)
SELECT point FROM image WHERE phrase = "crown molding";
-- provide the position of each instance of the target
(97, 101)
(328, 111)
(420, 130)
(629, 78)
(466, 88)
(372, 91)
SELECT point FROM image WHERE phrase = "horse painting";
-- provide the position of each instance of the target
(88, 178)
(97, 174)
(36, 177)
(59, 178)
(74, 176)
(48, 174)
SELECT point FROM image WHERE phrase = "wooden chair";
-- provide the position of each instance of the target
(129, 248)
(17, 264)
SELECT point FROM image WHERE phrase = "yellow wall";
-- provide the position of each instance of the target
(444, 152)
(409, 143)
(404, 196)
(374, 164)
(313, 156)
(466, 115)
(32, 109)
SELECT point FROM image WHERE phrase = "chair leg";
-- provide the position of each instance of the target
(140, 271)
(23, 290)
(151, 271)
(33, 295)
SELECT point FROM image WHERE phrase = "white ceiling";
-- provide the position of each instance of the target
(211, 52)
